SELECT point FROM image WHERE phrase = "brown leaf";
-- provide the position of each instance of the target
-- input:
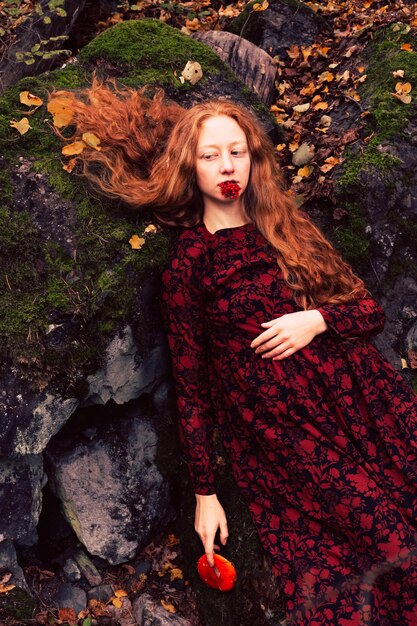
(67, 615)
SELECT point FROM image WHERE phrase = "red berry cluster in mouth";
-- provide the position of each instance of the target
(229, 189)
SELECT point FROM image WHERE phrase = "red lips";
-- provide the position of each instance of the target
(229, 189)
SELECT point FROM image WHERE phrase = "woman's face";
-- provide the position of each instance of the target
(222, 155)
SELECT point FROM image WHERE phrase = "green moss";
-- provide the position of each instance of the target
(17, 605)
(351, 238)
(140, 46)
(356, 164)
(389, 115)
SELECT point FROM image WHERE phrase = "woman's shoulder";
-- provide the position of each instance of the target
(187, 251)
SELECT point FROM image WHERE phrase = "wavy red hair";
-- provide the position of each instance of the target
(147, 159)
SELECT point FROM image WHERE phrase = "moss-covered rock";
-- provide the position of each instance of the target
(78, 271)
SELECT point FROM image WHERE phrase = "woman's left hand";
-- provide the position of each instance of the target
(288, 333)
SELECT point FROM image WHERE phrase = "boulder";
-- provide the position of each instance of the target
(111, 491)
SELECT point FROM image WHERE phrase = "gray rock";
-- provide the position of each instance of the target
(71, 597)
(411, 345)
(102, 593)
(8, 563)
(88, 570)
(111, 491)
(149, 612)
(122, 378)
(20, 498)
(72, 571)
(144, 567)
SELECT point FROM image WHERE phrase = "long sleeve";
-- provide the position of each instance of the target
(182, 313)
(360, 318)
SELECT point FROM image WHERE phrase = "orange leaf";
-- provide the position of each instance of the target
(70, 165)
(117, 603)
(120, 593)
(136, 242)
(91, 140)
(30, 99)
(6, 588)
(22, 125)
(73, 148)
(321, 106)
(59, 107)
(67, 615)
(168, 606)
(407, 47)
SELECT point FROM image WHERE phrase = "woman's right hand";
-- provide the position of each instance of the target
(209, 516)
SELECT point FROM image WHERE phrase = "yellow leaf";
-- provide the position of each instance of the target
(120, 593)
(91, 140)
(168, 606)
(150, 229)
(323, 50)
(59, 108)
(192, 72)
(136, 242)
(326, 76)
(280, 147)
(308, 90)
(73, 148)
(176, 573)
(22, 125)
(305, 171)
(70, 165)
(117, 603)
(306, 52)
(301, 108)
(404, 97)
(260, 7)
(330, 162)
(30, 99)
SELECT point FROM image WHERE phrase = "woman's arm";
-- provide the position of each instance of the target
(285, 335)
(181, 307)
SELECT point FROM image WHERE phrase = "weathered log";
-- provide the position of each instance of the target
(251, 64)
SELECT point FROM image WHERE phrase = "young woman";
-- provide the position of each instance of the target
(269, 336)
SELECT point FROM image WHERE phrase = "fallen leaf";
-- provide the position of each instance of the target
(407, 47)
(168, 606)
(22, 125)
(91, 140)
(301, 108)
(398, 74)
(28, 98)
(67, 615)
(120, 593)
(260, 7)
(305, 171)
(176, 573)
(6, 588)
(303, 155)
(151, 228)
(192, 72)
(59, 108)
(68, 167)
(136, 242)
(73, 148)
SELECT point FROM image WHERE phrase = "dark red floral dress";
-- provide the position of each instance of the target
(323, 444)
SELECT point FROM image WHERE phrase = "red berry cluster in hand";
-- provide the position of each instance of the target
(229, 189)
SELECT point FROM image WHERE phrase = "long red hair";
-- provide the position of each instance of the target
(147, 159)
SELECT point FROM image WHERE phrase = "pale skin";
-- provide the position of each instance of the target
(222, 154)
